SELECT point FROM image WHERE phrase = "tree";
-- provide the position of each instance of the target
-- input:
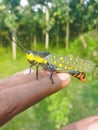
(11, 20)
(48, 21)
(62, 14)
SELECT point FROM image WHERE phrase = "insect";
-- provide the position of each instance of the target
(56, 63)
(73, 65)
(34, 57)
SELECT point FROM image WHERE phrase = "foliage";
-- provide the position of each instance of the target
(58, 103)
(29, 20)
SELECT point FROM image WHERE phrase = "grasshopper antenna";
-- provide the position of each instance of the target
(19, 44)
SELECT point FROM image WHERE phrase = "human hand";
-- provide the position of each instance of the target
(22, 90)
(90, 123)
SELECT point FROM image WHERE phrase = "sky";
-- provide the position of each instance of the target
(24, 2)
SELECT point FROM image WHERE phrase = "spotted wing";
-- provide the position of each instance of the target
(69, 62)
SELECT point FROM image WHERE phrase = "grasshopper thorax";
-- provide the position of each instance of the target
(30, 57)
(34, 58)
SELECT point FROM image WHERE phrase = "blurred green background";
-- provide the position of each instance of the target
(61, 27)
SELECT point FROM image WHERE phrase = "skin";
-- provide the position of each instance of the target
(22, 90)
(89, 123)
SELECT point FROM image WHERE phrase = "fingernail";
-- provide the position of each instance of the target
(63, 76)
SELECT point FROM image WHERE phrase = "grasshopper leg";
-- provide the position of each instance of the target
(51, 76)
(51, 68)
(37, 71)
(73, 72)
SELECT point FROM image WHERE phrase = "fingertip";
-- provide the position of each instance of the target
(65, 78)
(93, 125)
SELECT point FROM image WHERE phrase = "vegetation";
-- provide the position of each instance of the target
(62, 27)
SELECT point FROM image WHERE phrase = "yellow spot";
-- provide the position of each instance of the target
(61, 58)
(60, 65)
(65, 67)
(54, 56)
(76, 69)
(67, 63)
(45, 62)
(54, 62)
(70, 58)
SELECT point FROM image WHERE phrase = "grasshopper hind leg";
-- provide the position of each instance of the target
(37, 71)
(72, 72)
(51, 68)
(51, 76)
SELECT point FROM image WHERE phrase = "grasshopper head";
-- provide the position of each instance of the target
(30, 55)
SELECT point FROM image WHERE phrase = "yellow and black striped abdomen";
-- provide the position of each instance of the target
(66, 63)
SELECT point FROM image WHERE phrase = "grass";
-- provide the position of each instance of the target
(73, 103)
(9, 66)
